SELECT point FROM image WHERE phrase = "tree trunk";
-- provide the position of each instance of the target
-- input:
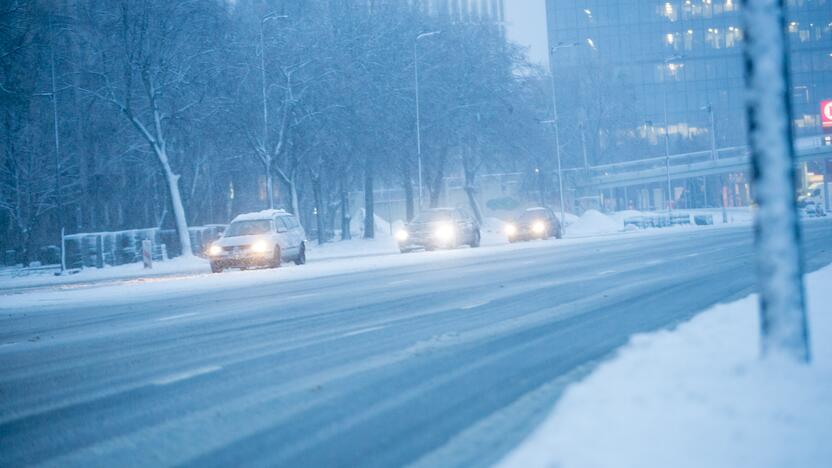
(435, 188)
(270, 188)
(369, 202)
(345, 212)
(176, 203)
(408, 191)
(471, 192)
(319, 210)
(293, 189)
(470, 183)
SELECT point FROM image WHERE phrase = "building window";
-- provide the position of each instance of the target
(733, 36)
(714, 38)
(669, 11)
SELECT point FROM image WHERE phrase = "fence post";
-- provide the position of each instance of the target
(63, 251)
(99, 251)
(147, 253)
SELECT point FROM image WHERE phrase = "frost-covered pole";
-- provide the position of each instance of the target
(782, 308)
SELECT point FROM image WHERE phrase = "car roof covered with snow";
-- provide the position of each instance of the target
(260, 215)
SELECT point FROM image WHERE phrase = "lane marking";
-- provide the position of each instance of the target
(475, 305)
(174, 317)
(300, 296)
(363, 331)
(394, 283)
(608, 272)
(186, 375)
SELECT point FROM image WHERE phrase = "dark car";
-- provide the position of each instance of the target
(534, 223)
(439, 228)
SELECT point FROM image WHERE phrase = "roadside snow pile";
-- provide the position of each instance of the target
(569, 217)
(698, 396)
(494, 225)
(592, 223)
(381, 245)
(179, 265)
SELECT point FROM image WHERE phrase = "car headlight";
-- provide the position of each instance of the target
(214, 250)
(445, 232)
(511, 229)
(538, 227)
(259, 247)
(402, 235)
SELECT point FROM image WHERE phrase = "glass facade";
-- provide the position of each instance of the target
(667, 62)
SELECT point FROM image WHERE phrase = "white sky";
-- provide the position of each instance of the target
(526, 25)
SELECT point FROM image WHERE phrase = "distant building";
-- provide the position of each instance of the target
(691, 49)
(467, 10)
(676, 58)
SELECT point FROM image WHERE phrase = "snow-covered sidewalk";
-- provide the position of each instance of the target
(698, 396)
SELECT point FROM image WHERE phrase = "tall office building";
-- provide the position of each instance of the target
(467, 10)
(662, 64)
(688, 51)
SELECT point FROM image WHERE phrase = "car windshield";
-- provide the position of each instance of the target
(248, 228)
(434, 216)
(532, 215)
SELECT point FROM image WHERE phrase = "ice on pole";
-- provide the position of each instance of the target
(782, 305)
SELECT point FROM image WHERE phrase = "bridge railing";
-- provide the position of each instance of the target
(675, 160)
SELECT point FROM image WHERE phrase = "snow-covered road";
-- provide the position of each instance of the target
(449, 362)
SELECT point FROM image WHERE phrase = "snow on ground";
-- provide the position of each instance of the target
(593, 223)
(14, 277)
(698, 396)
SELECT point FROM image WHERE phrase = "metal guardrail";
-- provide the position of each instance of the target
(667, 220)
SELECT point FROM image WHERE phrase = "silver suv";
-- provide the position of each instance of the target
(263, 239)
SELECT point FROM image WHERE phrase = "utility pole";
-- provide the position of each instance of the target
(554, 120)
(782, 304)
(418, 108)
(264, 90)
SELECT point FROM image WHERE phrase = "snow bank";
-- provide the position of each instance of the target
(179, 265)
(593, 223)
(698, 396)
(382, 245)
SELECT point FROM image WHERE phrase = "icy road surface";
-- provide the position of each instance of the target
(435, 363)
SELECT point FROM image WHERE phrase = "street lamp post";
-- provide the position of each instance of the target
(714, 156)
(418, 108)
(53, 97)
(667, 62)
(558, 46)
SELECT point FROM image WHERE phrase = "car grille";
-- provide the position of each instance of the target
(236, 248)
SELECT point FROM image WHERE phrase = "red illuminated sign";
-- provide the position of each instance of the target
(826, 113)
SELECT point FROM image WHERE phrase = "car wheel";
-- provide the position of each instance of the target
(477, 238)
(276, 260)
(559, 233)
(215, 268)
(301, 260)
